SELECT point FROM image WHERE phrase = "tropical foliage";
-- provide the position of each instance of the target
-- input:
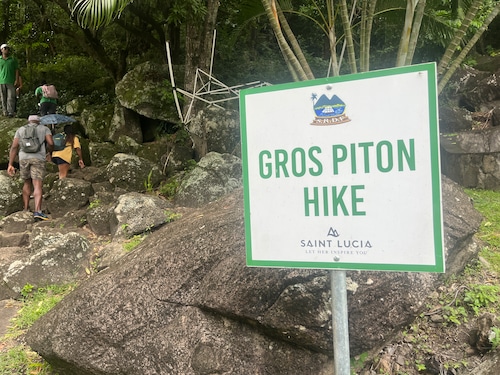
(268, 40)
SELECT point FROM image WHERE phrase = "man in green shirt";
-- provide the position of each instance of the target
(47, 105)
(9, 79)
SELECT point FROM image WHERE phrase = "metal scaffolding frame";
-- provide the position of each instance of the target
(207, 88)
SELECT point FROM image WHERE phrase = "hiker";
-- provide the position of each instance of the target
(32, 156)
(9, 79)
(62, 158)
(48, 101)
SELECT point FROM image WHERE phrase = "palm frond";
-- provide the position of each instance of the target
(96, 13)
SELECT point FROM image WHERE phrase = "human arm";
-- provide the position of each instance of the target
(16, 82)
(12, 155)
(80, 157)
(19, 85)
(49, 141)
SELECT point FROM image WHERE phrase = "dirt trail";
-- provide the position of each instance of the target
(8, 309)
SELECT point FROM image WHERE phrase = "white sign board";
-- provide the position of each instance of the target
(344, 172)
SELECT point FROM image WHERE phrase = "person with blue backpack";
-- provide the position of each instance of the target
(64, 144)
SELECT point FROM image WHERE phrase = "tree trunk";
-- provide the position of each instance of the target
(368, 10)
(415, 31)
(332, 38)
(405, 35)
(199, 38)
(346, 23)
(295, 45)
(457, 38)
(456, 62)
(289, 56)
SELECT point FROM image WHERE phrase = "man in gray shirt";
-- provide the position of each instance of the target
(31, 164)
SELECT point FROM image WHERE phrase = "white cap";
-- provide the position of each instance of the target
(33, 118)
(3, 46)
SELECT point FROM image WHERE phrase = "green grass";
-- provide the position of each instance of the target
(132, 243)
(20, 359)
(488, 204)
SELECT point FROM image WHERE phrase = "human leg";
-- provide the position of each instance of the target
(11, 100)
(37, 194)
(25, 173)
(27, 187)
(63, 170)
(3, 98)
(37, 170)
(43, 108)
(51, 108)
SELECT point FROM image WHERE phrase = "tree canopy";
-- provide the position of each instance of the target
(86, 46)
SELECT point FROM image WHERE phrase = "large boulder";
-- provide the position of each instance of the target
(213, 177)
(96, 122)
(67, 195)
(215, 129)
(125, 122)
(53, 258)
(136, 213)
(478, 89)
(101, 153)
(8, 127)
(454, 119)
(11, 199)
(133, 173)
(143, 91)
(184, 302)
(471, 101)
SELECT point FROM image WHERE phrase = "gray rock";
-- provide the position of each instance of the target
(213, 177)
(125, 123)
(67, 195)
(489, 365)
(472, 159)
(101, 153)
(18, 222)
(11, 199)
(55, 258)
(8, 127)
(132, 173)
(8, 256)
(136, 213)
(454, 119)
(75, 106)
(143, 91)
(215, 129)
(127, 144)
(184, 301)
(479, 89)
(99, 219)
(97, 122)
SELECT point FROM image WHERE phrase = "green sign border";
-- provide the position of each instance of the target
(439, 266)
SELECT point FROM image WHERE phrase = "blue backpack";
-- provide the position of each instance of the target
(59, 141)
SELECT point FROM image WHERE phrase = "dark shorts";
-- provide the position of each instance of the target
(47, 108)
(32, 168)
(57, 160)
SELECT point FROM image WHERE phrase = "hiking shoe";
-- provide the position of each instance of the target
(39, 216)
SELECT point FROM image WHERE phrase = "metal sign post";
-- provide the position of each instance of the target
(340, 323)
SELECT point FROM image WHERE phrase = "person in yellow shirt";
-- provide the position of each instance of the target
(63, 158)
